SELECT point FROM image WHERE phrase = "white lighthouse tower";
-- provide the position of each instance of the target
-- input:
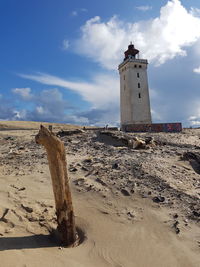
(134, 91)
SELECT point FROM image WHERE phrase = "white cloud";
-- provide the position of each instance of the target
(195, 123)
(65, 44)
(159, 39)
(48, 105)
(19, 115)
(102, 42)
(197, 70)
(77, 119)
(101, 117)
(153, 93)
(25, 93)
(156, 116)
(83, 9)
(143, 8)
(6, 109)
(195, 11)
(40, 110)
(101, 92)
(74, 13)
(194, 118)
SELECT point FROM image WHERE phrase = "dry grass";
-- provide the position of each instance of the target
(33, 125)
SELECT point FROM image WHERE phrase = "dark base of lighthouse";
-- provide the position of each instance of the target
(153, 127)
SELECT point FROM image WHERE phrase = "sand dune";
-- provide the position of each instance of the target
(33, 125)
(117, 201)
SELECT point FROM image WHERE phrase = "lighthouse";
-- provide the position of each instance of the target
(134, 91)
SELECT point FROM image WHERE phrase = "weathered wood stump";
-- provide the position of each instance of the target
(58, 169)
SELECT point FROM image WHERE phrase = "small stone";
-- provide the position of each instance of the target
(125, 192)
(177, 230)
(8, 138)
(196, 213)
(26, 208)
(129, 213)
(87, 160)
(115, 166)
(175, 225)
(73, 169)
(100, 181)
(22, 189)
(79, 181)
(158, 199)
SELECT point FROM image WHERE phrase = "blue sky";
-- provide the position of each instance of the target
(59, 59)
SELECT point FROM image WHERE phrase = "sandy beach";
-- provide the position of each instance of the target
(134, 207)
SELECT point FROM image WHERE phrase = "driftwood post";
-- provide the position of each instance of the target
(58, 169)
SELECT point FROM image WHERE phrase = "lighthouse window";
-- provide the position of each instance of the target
(138, 85)
(135, 66)
(138, 75)
(139, 95)
(140, 66)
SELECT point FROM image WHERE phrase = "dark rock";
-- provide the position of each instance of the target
(89, 187)
(130, 214)
(84, 168)
(158, 199)
(26, 208)
(196, 213)
(87, 161)
(73, 169)
(22, 189)
(100, 181)
(69, 132)
(8, 138)
(115, 166)
(5, 212)
(125, 192)
(32, 219)
(175, 216)
(112, 138)
(177, 229)
(148, 140)
(194, 159)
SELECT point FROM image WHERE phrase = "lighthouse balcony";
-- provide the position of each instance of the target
(133, 60)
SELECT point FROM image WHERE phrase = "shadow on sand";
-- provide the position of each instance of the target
(28, 242)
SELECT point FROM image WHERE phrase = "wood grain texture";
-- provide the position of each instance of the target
(58, 169)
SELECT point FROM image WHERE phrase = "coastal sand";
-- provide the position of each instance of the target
(117, 229)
